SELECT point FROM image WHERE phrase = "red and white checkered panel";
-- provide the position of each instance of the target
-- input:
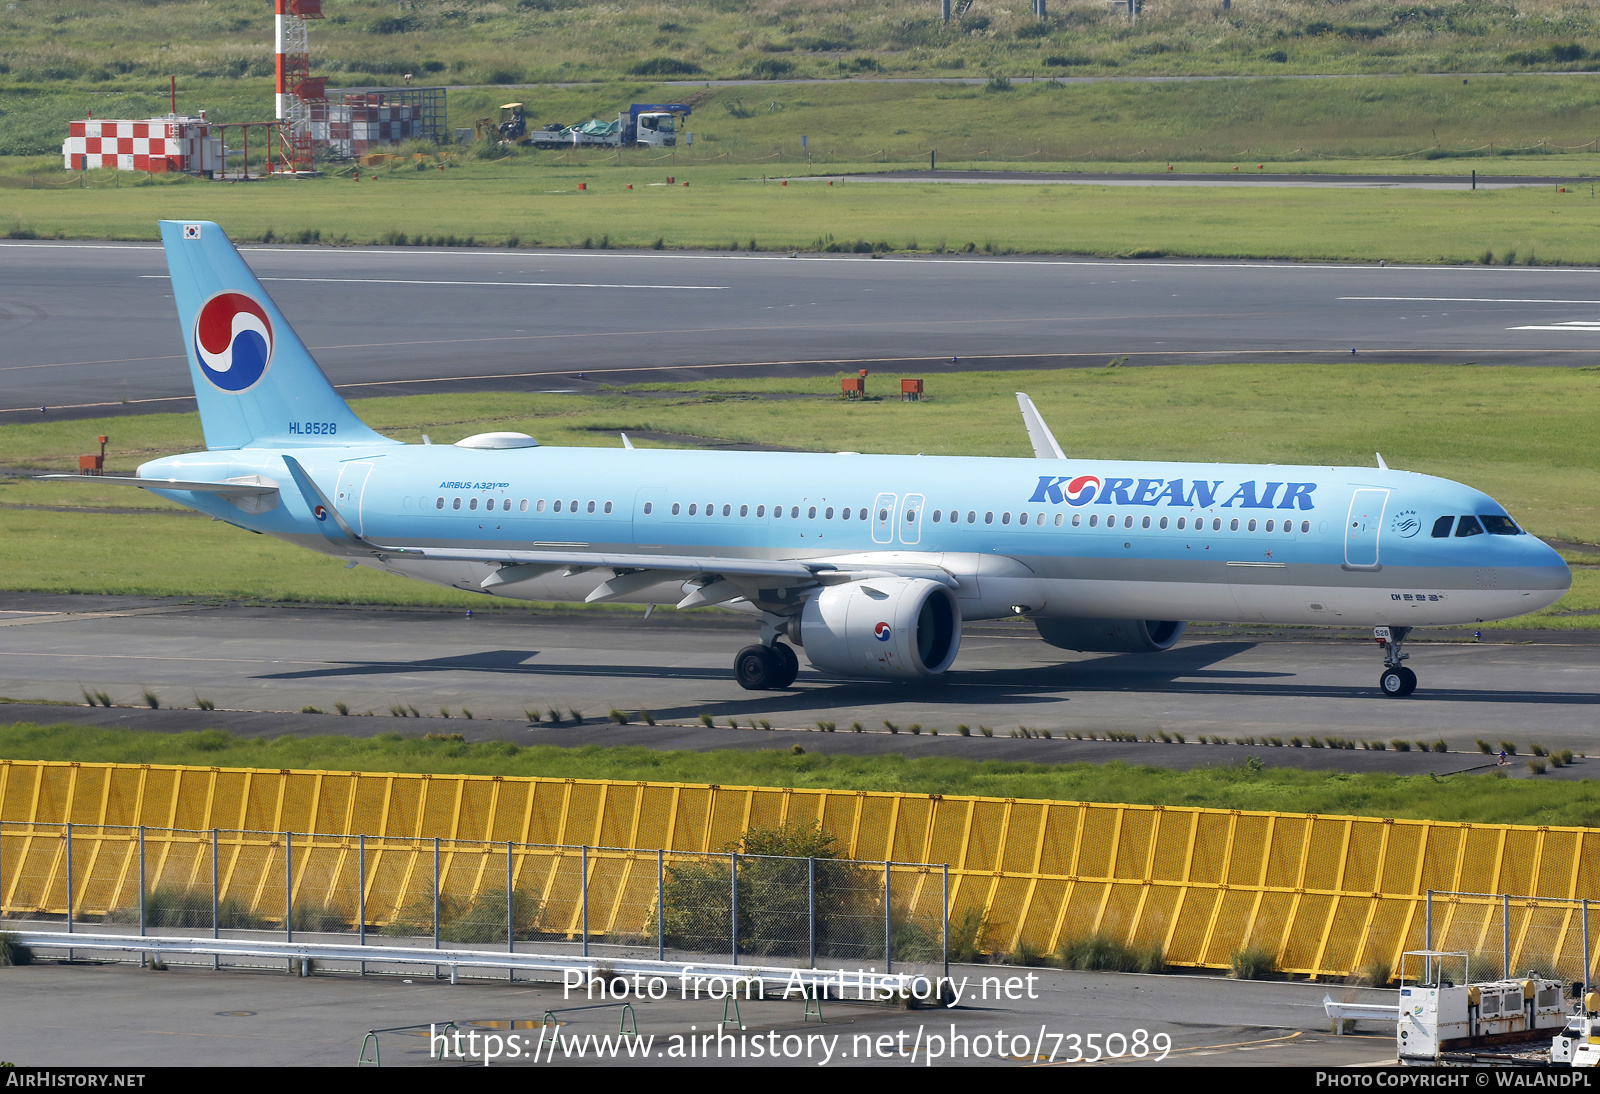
(155, 145)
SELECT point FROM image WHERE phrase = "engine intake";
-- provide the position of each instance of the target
(897, 627)
(1111, 635)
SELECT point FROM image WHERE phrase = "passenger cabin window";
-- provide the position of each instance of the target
(1441, 527)
(1468, 526)
(1305, 526)
(1180, 523)
(1059, 517)
(727, 510)
(694, 509)
(608, 507)
(557, 506)
(811, 513)
(647, 507)
(862, 515)
(988, 518)
(794, 512)
(473, 504)
(1005, 518)
(828, 512)
(439, 504)
(744, 510)
(1145, 523)
(539, 506)
(1251, 527)
(1500, 526)
(522, 506)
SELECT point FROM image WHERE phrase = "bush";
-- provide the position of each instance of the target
(1102, 951)
(476, 920)
(184, 907)
(1252, 962)
(619, 717)
(1440, 746)
(967, 933)
(1538, 767)
(1509, 747)
(13, 952)
(1539, 750)
(1400, 746)
(1376, 973)
(665, 66)
(770, 68)
(774, 899)
(319, 918)
(1484, 747)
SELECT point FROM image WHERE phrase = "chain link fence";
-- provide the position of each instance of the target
(1505, 936)
(593, 901)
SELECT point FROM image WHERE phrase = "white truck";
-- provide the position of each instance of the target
(648, 125)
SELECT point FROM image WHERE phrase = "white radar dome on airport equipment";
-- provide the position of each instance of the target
(497, 440)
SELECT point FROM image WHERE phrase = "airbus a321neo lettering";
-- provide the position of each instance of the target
(869, 564)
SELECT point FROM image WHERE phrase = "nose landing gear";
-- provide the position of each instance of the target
(1397, 681)
(766, 668)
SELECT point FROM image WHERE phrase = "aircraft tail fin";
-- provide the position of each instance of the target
(255, 381)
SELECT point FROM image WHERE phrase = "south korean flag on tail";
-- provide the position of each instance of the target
(191, 231)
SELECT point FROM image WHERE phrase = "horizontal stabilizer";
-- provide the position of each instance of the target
(239, 489)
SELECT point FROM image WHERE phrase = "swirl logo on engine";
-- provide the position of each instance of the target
(883, 631)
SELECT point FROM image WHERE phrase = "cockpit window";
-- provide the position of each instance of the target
(1500, 526)
(1468, 526)
(1441, 527)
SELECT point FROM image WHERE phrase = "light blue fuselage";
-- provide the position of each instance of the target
(1273, 544)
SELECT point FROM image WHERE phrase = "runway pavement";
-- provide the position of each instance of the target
(261, 665)
(88, 328)
(120, 1015)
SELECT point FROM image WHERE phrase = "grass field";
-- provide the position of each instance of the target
(501, 41)
(1431, 119)
(722, 208)
(1520, 434)
(1465, 798)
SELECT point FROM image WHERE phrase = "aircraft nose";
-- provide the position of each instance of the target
(1540, 569)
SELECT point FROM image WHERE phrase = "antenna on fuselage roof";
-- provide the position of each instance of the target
(1381, 465)
(1039, 435)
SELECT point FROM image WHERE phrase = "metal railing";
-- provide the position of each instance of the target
(559, 899)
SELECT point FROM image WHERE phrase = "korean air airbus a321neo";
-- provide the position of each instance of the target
(870, 564)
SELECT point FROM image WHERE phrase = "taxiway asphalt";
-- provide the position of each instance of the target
(261, 665)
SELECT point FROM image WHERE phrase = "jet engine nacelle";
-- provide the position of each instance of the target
(1111, 635)
(897, 626)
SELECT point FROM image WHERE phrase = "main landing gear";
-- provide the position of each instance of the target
(1397, 680)
(766, 668)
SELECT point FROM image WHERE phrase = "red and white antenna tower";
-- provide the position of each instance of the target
(296, 90)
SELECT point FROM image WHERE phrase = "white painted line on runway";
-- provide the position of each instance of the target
(1581, 325)
(1469, 300)
(492, 284)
